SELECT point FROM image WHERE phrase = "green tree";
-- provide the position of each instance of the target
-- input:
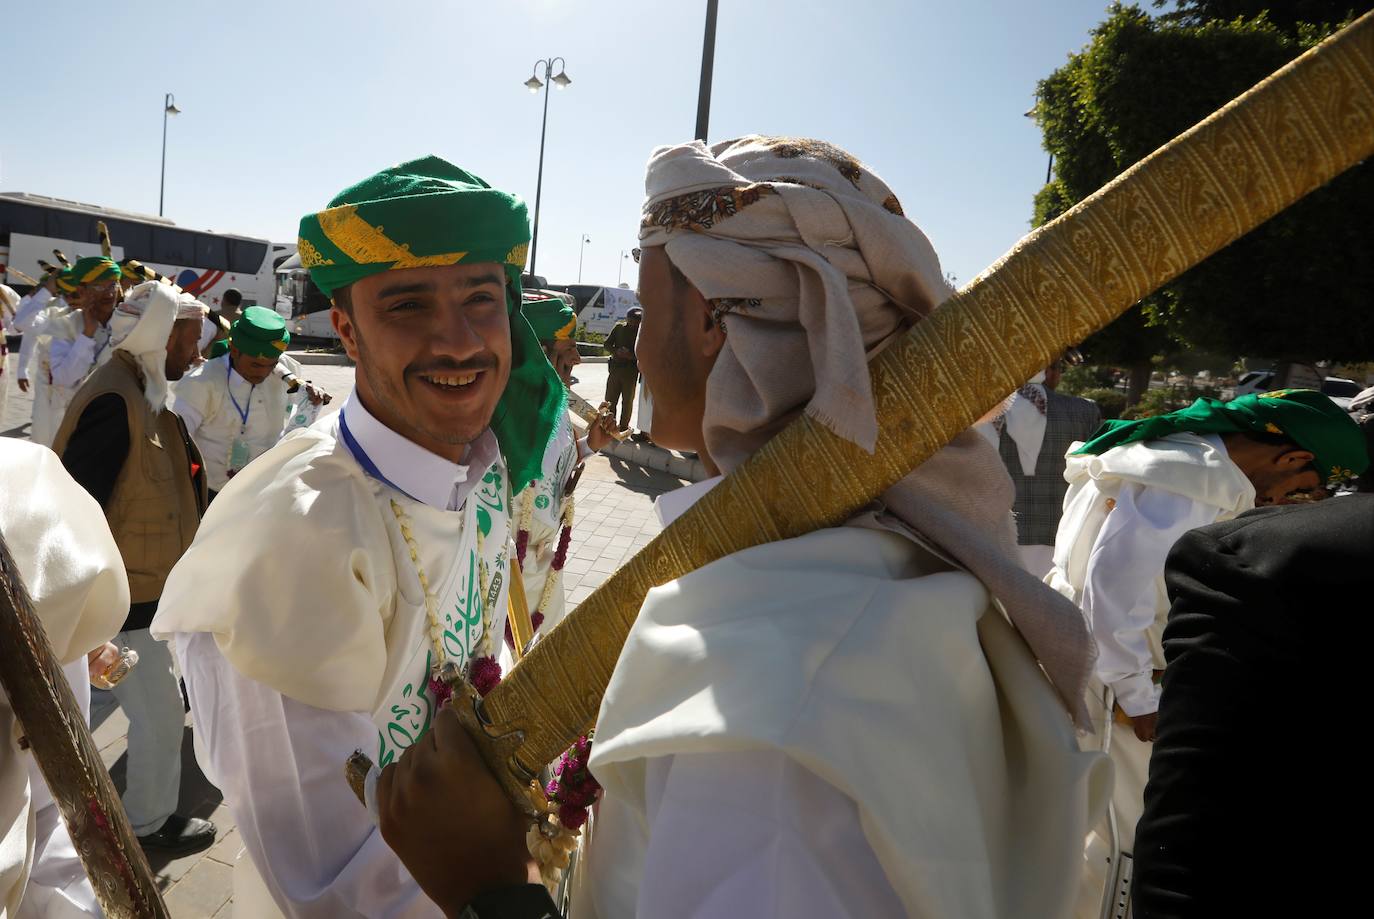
(1299, 287)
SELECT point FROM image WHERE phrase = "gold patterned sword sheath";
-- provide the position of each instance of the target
(56, 731)
(1293, 132)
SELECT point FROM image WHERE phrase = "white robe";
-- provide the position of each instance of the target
(835, 725)
(211, 398)
(36, 367)
(547, 494)
(299, 623)
(63, 549)
(1123, 512)
(70, 358)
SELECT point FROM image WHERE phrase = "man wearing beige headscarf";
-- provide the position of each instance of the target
(870, 720)
(122, 443)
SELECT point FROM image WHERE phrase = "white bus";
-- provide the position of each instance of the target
(203, 264)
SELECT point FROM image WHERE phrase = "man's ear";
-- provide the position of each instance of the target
(1294, 458)
(712, 335)
(348, 332)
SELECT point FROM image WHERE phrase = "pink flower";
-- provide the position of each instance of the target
(572, 817)
(561, 555)
(522, 542)
(440, 690)
(485, 673)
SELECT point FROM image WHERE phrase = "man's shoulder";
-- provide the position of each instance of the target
(1332, 540)
(308, 466)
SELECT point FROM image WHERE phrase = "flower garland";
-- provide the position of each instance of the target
(483, 670)
(573, 788)
(560, 555)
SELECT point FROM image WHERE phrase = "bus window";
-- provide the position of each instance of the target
(245, 257)
(211, 252)
(172, 247)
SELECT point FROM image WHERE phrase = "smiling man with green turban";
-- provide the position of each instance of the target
(1135, 487)
(339, 577)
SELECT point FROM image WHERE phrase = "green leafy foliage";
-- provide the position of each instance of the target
(1112, 402)
(1300, 286)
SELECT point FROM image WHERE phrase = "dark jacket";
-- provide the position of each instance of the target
(1257, 793)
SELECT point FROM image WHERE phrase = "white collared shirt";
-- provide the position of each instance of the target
(425, 476)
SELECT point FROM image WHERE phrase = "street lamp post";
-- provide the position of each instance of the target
(620, 277)
(169, 107)
(535, 84)
(580, 249)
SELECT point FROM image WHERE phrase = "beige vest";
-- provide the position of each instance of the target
(156, 504)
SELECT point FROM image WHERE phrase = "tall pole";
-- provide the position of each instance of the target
(620, 276)
(708, 60)
(582, 247)
(539, 183)
(162, 184)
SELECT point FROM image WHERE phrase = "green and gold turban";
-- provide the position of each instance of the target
(95, 268)
(66, 280)
(260, 332)
(427, 213)
(551, 318)
(1307, 418)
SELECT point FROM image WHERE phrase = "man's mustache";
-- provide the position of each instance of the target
(477, 364)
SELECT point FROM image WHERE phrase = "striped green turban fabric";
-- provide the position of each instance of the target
(1305, 417)
(428, 213)
(66, 281)
(95, 268)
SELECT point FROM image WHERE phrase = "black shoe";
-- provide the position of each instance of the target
(180, 836)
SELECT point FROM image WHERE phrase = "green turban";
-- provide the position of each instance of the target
(66, 281)
(1307, 418)
(426, 213)
(95, 268)
(551, 318)
(218, 348)
(260, 332)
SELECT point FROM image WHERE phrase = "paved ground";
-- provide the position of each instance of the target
(614, 519)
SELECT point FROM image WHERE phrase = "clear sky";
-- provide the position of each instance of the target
(285, 103)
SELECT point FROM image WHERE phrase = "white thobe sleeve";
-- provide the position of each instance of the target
(753, 833)
(72, 360)
(583, 451)
(188, 413)
(1121, 595)
(26, 350)
(29, 308)
(279, 763)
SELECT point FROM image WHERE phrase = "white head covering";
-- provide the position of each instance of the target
(812, 268)
(9, 299)
(141, 325)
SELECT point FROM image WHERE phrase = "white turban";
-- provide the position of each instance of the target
(141, 325)
(9, 298)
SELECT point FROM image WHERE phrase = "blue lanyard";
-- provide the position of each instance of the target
(364, 460)
(229, 385)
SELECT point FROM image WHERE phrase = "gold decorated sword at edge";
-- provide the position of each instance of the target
(56, 732)
(1290, 134)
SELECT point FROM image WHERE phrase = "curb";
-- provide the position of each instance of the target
(652, 457)
(310, 357)
(649, 456)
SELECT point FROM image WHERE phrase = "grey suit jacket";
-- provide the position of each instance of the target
(1040, 497)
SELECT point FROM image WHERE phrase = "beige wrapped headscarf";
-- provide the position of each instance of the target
(812, 269)
(141, 325)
